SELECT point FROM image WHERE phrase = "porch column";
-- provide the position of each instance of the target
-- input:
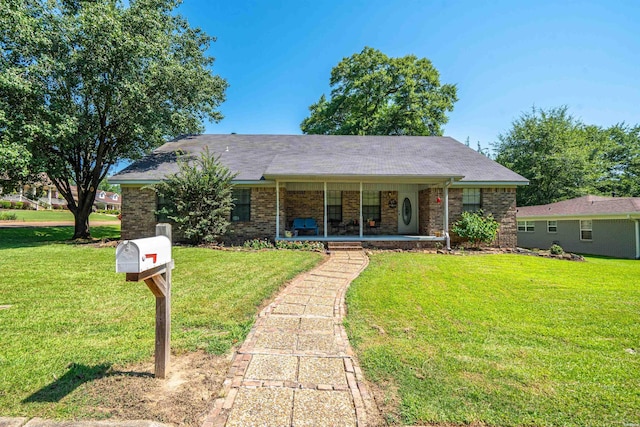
(277, 209)
(446, 215)
(325, 209)
(360, 221)
(50, 198)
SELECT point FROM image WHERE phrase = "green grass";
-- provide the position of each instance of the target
(72, 317)
(54, 215)
(502, 340)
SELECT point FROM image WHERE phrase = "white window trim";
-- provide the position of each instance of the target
(586, 229)
(527, 225)
(549, 226)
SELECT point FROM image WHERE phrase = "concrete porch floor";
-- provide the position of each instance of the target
(364, 238)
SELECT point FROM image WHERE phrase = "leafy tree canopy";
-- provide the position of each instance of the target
(564, 158)
(547, 148)
(198, 198)
(373, 94)
(87, 83)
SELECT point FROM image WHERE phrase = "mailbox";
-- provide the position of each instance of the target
(136, 256)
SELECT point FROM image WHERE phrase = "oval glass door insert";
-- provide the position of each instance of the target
(406, 211)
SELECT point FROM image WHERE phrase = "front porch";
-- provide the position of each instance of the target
(365, 212)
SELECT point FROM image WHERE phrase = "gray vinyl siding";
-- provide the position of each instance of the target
(615, 238)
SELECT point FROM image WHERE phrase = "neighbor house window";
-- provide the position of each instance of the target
(586, 229)
(334, 206)
(527, 226)
(552, 226)
(242, 209)
(371, 205)
(471, 199)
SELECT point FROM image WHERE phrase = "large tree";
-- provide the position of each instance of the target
(373, 94)
(564, 158)
(88, 83)
(548, 148)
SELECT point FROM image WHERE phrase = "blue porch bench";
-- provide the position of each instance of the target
(305, 224)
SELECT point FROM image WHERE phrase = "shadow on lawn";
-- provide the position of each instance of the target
(38, 236)
(76, 376)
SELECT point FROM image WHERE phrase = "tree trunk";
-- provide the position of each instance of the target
(82, 223)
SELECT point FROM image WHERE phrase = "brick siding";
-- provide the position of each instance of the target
(138, 206)
(138, 217)
(501, 202)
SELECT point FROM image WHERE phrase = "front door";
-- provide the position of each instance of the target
(408, 213)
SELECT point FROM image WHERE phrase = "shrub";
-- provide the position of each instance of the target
(556, 249)
(8, 216)
(300, 245)
(18, 205)
(476, 228)
(5, 204)
(198, 198)
(258, 244)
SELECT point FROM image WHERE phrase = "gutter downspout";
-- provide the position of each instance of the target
(446, 214)
(277, 209)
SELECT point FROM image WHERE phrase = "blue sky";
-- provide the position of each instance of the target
(504, 57)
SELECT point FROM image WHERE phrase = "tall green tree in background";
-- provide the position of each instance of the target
(546, 147)
(619, 157)
(373, 94)
(564, 158)
(88, 83)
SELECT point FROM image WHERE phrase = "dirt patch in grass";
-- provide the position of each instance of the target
(183, 399)
(387, 402)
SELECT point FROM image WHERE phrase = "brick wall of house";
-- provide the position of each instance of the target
(501, 202)
(138, 217)
(389, 214)
(431, 213)
(305, 204)
(350, 206)
(262, 223)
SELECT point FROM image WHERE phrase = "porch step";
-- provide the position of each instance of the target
(344, 246)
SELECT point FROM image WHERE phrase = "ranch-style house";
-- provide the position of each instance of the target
(383, 191)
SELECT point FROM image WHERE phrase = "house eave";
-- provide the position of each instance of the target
(623, 215)
(142, 182)
(404, 179)
(465, 184)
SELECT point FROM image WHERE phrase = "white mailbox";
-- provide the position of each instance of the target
(136, 256)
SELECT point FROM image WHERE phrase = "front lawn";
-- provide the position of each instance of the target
(500, 340)
(71, 317)
(29, 215)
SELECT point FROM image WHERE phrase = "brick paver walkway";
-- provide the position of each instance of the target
(296, 367)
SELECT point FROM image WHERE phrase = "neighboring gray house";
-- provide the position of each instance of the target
(394, 191)
(596, 225)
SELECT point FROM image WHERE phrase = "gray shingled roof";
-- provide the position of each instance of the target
(583, 206)
(259, 157)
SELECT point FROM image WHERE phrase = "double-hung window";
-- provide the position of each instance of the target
(334, 206)
(471, 199)
(586, 229)
(242, 209)
(552, 226)
(527, 226)
(371, 205)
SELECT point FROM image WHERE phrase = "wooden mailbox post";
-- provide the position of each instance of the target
(149, 260)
